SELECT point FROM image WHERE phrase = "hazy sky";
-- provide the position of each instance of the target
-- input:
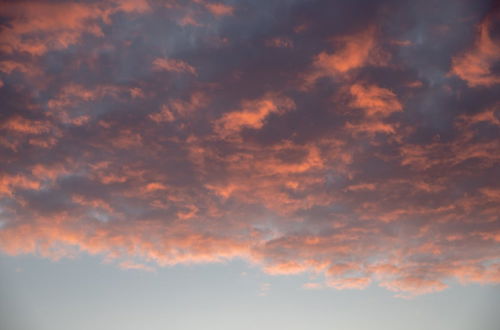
(293, 164)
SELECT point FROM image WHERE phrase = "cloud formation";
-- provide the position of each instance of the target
(475, 65)
(325, 138)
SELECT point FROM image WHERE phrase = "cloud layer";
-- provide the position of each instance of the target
(357, 142)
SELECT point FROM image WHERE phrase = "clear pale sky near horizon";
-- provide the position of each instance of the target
(244, 164)
(86, 294)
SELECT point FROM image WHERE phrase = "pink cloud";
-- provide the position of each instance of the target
(59, 24)
(135, 266)
(410, 286)
(474, 65)
(374, 100)
(330, 161)
(22, 125)
(173, 65)
(219, 9)
(253, 114)
(354, 52)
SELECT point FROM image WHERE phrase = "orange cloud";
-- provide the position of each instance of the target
(154, 186)
(22, 125)
(172, 65)
(488, 116)
(377, 104)
(376, 101)
(127, 139)
(62, 25)
(312, 286)
(474, 65)
(132, 6)
(411, 286)
(350, 193)
(8, 183)
(353, 55)
(180, 109)
(91, 202)
(189, 19)
(371, 127)
(285, 268)
(136, 266)
(36, 27)
(358, 283)
(491, 193)
(219, 9)
(216, 8)
(253, 114)
(164, 115)
(361, 186)
(72, 95)
(450, 154)
(11, 66)
(356, 51)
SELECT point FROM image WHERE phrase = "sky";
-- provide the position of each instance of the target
(242, 164)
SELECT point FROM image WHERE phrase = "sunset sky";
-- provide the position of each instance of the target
(250, 164)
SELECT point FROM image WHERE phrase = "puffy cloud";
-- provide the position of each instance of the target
(147, 143)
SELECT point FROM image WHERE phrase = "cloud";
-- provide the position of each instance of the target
(22, 125)
(349, 283)
(303, 144)
(376, 104)
(38, 27)
(135, 266)
(278, 42)
(414, 285)
(374, 100)
(10, 183)
(354, 52)
(219, 9)
(180, 109)
(60, 24)
(475, 65)
(132, 6)
(172, 65)
(253, 114)
(312, 286)
(9, 67)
